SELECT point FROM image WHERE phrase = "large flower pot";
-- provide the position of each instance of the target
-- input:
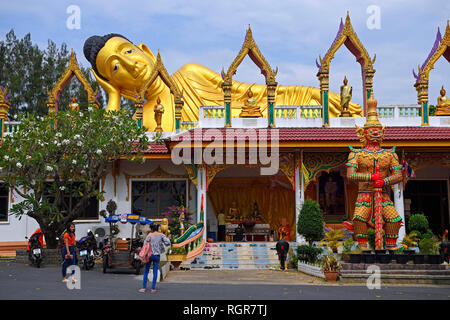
(434, 259)
(401, 258)
(355, 258)
(418, 258)
(331, 276)
(384, 258)
(176, 259)
(368, 258)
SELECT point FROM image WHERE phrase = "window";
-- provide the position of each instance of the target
(4, 197)
(89, 213)
(153, 198)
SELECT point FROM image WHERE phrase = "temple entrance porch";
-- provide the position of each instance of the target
(262, 205)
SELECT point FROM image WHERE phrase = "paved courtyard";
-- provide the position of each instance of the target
(20, 281)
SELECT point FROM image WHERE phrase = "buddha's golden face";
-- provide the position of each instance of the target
(123, 64)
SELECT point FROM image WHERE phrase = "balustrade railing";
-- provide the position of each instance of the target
(188, 125)
(296, 112)
(11, 126)
(213, 112)
(398, 111)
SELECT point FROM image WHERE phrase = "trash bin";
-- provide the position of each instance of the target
(212, 235)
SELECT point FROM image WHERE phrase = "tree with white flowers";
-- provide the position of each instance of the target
(53, 156)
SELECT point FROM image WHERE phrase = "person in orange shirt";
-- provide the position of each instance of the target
(68, 251)
(40, 238)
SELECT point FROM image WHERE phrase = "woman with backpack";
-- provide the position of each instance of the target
(157, 241)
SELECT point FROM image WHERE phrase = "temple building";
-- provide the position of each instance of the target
(256, 152)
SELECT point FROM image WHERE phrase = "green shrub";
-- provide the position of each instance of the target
(429, 246)
(371, 238)
(308, 253)
(418, 222)
(348, 245)
(310, 221)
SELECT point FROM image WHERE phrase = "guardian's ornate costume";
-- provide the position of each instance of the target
(375, 169)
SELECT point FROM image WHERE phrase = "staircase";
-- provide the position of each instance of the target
(236, 255)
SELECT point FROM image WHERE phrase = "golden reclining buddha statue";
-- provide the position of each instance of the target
(122, 68)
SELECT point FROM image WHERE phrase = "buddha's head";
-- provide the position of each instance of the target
(119, 62)
(442, 92)
(345, 80)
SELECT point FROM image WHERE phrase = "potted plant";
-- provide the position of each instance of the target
(310, 221)
(400, 257)
(355, 255)
(367, 256)
(410, 240)
(347, 246)
(331, 267)
(430, 248)
(176, 256)
(332, 239)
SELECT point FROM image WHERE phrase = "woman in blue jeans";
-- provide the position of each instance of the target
(68, 251)
(157, 242)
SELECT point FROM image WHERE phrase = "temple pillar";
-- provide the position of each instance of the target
(324, 87)
(271, 87)
(178, 107)
(400, 207)
(422, 97)
(4, 109)
(368, 87)
(299, 196)
(226, 86)
(201, 196)
(139, 112)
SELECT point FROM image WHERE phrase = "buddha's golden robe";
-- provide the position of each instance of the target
(202, 87)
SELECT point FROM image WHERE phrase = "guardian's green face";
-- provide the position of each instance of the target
(123, 64)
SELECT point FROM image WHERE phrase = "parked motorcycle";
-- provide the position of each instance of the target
(35, 248)
(87, 246)
(136, 246)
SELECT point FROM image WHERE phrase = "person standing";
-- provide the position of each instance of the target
(221, 226)
(282, 250)
(68, 251)
(157, 241)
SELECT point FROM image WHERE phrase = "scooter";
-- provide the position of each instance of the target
(87, 246)
(35, 249)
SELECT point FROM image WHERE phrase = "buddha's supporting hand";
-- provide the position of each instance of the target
(113, 93)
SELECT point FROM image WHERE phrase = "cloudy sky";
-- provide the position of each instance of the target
(290, 34)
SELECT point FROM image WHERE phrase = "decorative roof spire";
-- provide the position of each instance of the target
(372, 114)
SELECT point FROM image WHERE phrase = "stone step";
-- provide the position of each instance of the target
(242, 255)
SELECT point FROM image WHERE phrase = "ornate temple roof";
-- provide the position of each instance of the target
(319, 134)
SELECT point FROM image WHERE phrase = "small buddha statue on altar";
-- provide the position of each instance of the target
(255, 212)
(346, 96)
(234, 212)
(74, 105)
(443, 104)
(250, 108)
(158, 110)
